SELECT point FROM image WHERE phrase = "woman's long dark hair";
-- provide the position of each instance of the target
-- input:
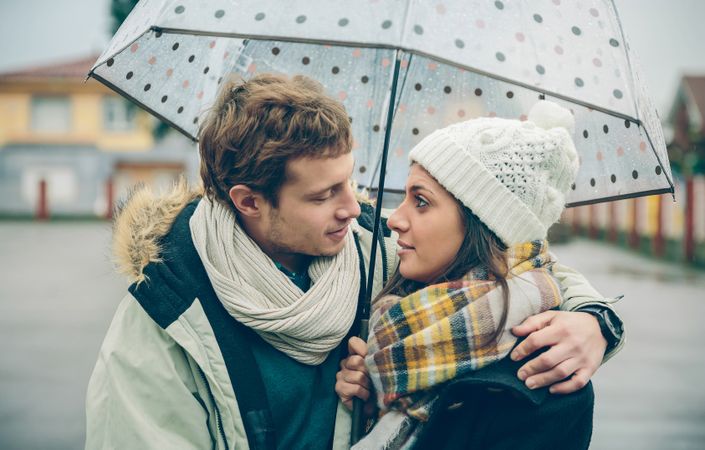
(480, 248)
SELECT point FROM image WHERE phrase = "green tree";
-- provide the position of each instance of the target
(119, 10)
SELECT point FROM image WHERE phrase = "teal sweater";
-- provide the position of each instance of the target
(301, 397)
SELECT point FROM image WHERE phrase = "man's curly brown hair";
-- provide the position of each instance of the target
(257, 126)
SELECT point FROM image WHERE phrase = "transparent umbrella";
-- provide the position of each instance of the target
(458, 60)
(404, 68)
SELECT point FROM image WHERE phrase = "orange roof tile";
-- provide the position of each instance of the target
(76, 68)
(696, 88)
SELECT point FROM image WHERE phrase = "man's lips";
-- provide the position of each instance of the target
(339, 233)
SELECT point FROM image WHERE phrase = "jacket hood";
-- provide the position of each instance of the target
(145, 217)
(140, 223)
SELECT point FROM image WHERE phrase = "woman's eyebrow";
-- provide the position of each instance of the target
(420, 187)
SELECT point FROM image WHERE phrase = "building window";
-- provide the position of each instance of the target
(62, 185)
(51, 114)
(118, 114)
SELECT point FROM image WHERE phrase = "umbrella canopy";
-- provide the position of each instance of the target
(459, 60)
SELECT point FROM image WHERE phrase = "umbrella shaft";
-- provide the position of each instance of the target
(357, 420)
(380, 187)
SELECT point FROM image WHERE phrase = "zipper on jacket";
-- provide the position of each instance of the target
(383, 251)
(218, 420)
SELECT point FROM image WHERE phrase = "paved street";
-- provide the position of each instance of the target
(58, 292)
(651, 395)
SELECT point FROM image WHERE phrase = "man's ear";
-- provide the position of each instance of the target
(247, 202)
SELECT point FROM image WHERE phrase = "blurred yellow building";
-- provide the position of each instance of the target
(84, 142)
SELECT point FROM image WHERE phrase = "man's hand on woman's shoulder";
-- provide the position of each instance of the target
(576, 350)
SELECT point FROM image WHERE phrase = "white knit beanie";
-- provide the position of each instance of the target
(513, 175)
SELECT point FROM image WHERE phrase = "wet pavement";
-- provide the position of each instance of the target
(58, 293)
(57, 296)
(650, 395)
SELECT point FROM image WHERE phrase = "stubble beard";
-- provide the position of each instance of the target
(279, 228)
(278, 245)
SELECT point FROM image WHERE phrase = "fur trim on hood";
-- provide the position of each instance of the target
(145, 216)
(140, 221)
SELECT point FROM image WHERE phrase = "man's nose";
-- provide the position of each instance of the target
(350, 208)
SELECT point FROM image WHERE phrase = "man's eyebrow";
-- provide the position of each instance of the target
(322, 191)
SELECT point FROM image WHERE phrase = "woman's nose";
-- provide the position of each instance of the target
(396, 220)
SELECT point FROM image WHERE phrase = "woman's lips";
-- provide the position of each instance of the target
(404, 248)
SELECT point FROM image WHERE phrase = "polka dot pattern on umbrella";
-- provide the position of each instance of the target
(439, 95)
(544, 30)
(555, 47)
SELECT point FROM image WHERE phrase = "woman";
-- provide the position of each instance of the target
(474, 262)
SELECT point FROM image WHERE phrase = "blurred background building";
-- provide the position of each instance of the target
(71, 147)
(662, 225)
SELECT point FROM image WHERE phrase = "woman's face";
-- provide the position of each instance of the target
(430, 227)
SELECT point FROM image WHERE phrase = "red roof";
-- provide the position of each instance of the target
(77, 68)
(696, 88)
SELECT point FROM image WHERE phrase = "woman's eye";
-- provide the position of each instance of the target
(420, 202)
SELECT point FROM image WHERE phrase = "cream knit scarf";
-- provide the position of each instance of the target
(304, 325)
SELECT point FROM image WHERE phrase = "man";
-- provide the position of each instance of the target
(243, 298)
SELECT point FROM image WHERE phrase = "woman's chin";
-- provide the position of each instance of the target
(414, 275)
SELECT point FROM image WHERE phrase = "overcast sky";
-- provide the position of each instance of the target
(667, 35)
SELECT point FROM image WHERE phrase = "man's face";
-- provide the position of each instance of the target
(316, 206)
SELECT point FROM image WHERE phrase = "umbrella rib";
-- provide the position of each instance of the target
(530, 87)
(668, 190)
(405, 23)
(620, 197)
(403, 83)
(658, 159)
(626, 52)
(122, 49)
(267, 37)
(400, 90)
(631, 75)
(407, 50)
(142, 105)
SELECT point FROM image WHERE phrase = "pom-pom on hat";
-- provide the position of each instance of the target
(513, 175)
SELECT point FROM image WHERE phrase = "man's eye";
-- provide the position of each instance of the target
(329, 195)
(420, 202)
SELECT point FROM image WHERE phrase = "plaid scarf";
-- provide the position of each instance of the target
(444, 331)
